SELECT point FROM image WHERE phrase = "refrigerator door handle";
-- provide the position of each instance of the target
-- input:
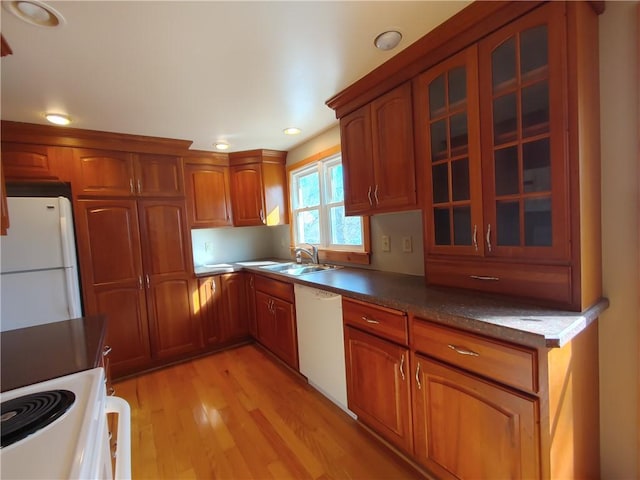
(66, 233)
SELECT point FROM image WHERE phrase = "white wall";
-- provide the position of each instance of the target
(619, 379)
(230, 244)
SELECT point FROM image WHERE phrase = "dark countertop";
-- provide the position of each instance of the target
(35, 354)
(502, 318)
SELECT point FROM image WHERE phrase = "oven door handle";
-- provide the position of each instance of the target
(120, 407)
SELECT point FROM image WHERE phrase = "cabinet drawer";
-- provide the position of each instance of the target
(505, 363)
(276, 288)
(382, 321)
(551, 283)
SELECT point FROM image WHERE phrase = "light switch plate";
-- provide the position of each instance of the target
(407, 247)
(386, 245)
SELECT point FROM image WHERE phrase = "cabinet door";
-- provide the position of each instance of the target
(210, 312)
(104, 173)
(111, 265)
(246, 195)
(286, 338)
(208, 196)
(158, 176)
(265, 320)
(470, 428)
(393, 155)
(448, 144)
(522, 80)
(251, 305)
(234, 321)
(378, 388)
(357, 161)
(168, 275)
(28, 162)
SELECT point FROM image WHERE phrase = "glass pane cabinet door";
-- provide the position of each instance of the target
(523, 154)
(446, 100)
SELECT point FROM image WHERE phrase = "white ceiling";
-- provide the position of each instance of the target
(202, 71)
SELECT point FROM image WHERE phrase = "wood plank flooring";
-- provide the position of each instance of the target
(239, 414)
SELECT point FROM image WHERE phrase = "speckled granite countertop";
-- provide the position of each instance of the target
(502, 318)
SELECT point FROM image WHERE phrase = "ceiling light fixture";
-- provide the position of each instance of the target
(388, 40)
(292, 131)
(35, 12)
(58, 118)
(221, 145)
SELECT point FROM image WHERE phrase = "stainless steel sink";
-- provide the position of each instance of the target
(298, 269)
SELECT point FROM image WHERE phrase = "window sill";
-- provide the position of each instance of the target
(343, 256)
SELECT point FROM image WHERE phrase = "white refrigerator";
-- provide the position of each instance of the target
(38, 266)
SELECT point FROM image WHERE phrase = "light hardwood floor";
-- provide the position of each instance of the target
(239, 414)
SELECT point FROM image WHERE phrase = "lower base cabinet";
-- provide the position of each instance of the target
(466, 427)
(466, 406)
(378, 387)
(276, 318)
(223, 308)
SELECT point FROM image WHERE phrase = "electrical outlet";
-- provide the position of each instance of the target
(406, 245)
(208, 247)
(386, 246)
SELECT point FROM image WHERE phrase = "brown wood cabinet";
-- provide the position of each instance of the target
(377, 155)
(208, 194)
(377, 367)
(121, 174)
(135, 258)
(223, 308)
(484, 408)
(168, 266)
(110, 259)
(258, 188)
(251, 304)
(466, 427)
(27, 162)
(235, 324)
(491, 123)
(276, 318)
(378, 385)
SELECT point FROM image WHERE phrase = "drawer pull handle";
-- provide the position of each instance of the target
(463, 351)
(418, 377)
(369, 196)
(475, 237)
(370, 320)
(484, 277)
(402, 366)
(489, 237)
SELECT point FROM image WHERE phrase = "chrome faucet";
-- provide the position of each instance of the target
(312, 253)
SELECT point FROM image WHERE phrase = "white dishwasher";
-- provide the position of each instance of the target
(321, 342)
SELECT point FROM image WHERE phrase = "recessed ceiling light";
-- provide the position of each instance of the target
(292, 131)
(221, 145)
(58, 118)
(35, 12)
(388, 40)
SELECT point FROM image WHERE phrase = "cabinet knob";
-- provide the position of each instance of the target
(106, 350)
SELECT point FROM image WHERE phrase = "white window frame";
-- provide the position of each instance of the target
(321, 166)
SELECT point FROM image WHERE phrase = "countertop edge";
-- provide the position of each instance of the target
(468, 317)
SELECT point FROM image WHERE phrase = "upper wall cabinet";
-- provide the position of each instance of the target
(491, 125)
(26, 162)
(258, 188)
(208, 192)
(377, 155)
(108, 173)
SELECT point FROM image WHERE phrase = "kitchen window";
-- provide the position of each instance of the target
(317, 208)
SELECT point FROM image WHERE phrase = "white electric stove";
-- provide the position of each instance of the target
(58, 429)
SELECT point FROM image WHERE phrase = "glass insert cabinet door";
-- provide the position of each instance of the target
(446, 100)
(524, 167)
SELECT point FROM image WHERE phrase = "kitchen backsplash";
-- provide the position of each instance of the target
(221, 245)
